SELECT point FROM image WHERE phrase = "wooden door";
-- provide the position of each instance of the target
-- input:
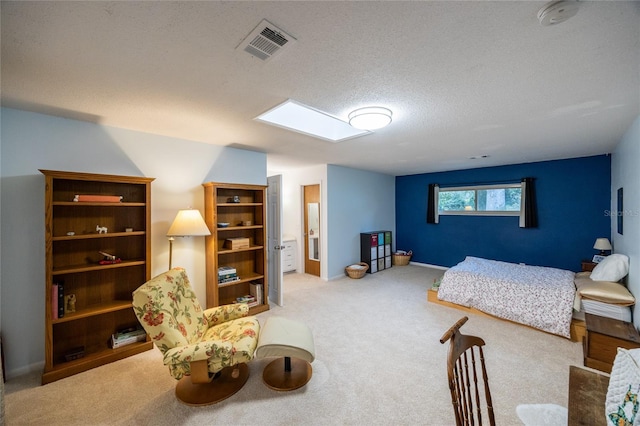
(312, 229)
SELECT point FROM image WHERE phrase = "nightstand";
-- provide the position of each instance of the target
(604, 337)
(587, 265)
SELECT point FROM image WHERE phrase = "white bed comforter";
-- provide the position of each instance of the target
(537, 296)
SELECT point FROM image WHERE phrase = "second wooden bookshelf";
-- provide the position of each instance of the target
(236, 212)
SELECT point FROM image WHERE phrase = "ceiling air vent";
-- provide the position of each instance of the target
(266, 41)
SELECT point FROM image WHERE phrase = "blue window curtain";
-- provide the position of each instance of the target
(432, 204)
(529, 212)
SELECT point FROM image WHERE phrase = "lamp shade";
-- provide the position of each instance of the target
(602, 244)
(188, 223)
(370, 118)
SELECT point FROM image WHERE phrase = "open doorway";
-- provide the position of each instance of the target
(311, 209)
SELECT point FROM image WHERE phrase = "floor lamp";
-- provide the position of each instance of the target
(188, 223)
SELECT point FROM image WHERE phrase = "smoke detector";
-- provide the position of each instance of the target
(266, 41)
(556, 12)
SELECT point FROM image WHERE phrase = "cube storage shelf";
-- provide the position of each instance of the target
(375, 250)
(243, 208)
(78, 341)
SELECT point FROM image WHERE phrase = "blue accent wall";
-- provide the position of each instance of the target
(572, 196)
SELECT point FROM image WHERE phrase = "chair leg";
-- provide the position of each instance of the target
(222, 386)
(286, 374)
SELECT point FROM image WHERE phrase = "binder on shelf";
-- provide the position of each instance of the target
(54, 301)
(60, 285)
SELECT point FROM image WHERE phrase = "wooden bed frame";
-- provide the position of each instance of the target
(578, 328)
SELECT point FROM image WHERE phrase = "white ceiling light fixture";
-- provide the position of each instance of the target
(556, 12)
(370, 118)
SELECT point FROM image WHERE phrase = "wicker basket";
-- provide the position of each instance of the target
(356, 272)
(402, 259)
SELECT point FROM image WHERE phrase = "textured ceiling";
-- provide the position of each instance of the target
(463, 79)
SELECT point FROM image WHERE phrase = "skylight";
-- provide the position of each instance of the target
(300, 118)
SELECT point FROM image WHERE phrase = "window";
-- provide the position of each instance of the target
(493, 200)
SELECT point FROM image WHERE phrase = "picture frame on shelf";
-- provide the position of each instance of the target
(597, 258)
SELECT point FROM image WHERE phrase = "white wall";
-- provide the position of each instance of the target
(358, 201)
(625, 174)
(35, 141)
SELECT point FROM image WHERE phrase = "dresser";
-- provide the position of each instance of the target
(288, 255)
(604, 337)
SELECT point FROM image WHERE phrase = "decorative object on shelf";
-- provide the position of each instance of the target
(603, 245)
(69, 303)
(236, 243)
(109, 259)
(223, 224)
(357, 270)
(234, 199)
(71, 233)
(402, 258)
(75, 353)
(188, 223)
(245, 223)
(128, 229)
(101, 229)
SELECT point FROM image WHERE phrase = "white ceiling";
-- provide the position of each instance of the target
(463, 79)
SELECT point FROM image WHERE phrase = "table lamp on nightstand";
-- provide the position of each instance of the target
(188, 223)
(603, 245)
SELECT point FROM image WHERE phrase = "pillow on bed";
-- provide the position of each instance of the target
(612, 268)
(604, 291)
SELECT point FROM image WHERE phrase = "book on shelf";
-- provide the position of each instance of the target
(226, 270)
(127, 337)
(248, 299)
(227, 274)
(256, 291)
(228, 280)
(91, 198)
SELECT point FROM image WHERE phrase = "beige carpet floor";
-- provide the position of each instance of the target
(378, 362)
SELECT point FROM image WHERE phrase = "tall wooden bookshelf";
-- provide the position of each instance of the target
(80, 340)
(243, 208)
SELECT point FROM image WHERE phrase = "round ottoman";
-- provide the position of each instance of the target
(292, 342)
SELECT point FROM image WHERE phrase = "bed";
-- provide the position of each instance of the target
(537, 296)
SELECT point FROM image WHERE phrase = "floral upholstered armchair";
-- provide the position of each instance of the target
(205, 350)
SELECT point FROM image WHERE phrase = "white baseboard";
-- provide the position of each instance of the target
(27, 369)
(426, 265)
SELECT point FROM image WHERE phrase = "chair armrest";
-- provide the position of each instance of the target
(198, 352)
(224, 313)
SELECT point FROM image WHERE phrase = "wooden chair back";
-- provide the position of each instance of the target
(467, 374)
